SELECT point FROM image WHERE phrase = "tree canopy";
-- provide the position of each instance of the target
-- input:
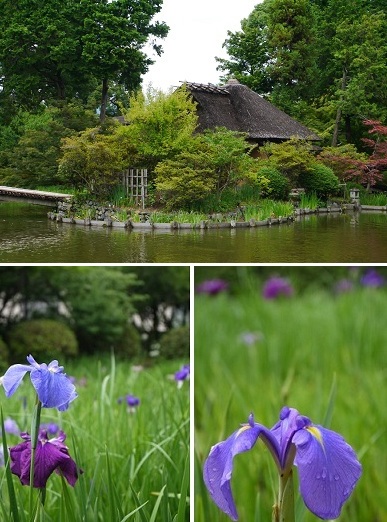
(323, 62)
(62, 50)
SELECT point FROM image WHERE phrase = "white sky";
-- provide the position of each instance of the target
(198, 29)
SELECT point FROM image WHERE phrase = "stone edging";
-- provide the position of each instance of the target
(174, 225)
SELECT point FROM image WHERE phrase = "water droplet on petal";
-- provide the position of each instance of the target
(336, 477)
(324, 473)
(318, 476)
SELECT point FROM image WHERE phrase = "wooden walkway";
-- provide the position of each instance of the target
(37, 197)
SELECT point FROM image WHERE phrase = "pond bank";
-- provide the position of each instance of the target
(111, 222)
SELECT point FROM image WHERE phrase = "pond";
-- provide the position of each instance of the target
(28, 236)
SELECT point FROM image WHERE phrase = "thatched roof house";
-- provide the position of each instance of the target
(238, 108)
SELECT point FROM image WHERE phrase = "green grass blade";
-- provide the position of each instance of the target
(11, 490)
(183, 492)
(157, 505)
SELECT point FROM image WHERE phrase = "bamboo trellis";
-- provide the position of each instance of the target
(135, 182)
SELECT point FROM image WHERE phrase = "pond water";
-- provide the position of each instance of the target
(28, 236)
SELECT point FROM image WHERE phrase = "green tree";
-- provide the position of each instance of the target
(159, 126)
(33, 158)
(166, 299)
(274, 52)
(91, 160)
(115, 35)
(216, 160)
(61, 50)
(41, 52)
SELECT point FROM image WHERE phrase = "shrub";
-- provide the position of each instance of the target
(175, 343)
(3, 355)
(45, 339)
(129, 344)
(278, 187)
(319, 179)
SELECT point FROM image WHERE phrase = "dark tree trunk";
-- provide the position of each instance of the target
(338, 113)
(104, 99)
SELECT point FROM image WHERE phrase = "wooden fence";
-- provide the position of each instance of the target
(135, 182)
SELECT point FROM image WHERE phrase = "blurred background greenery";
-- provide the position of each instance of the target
(321, 349)
(138, 313)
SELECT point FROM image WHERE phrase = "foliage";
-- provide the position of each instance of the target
(46, 338)
(100, 302)
(135, 465)
(166, 299)
(175, 343)
(4, 354)
(268, 208)
(291, 158)
(161, 126)
(51, 51)
(319, 180)
(340, 158)
(369, 171)
(323, 62)
(185, 180)
(32, 158)
(128, 346)
(91, 160)
(278, 186)
(116, 53)
(217, 160)
(310, 353)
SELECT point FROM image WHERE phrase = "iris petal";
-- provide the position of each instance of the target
(55, 390)
(13, 378)
(219, 465)
(328, 470)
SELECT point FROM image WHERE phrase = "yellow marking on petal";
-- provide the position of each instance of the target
(243, 428)
(316, 434)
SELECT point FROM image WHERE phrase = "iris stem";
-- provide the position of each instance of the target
(283, 511)
(35, 423)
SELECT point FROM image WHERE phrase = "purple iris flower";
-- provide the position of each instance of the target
(277, 286)
(327, 466)
(132, 401)
(212, 287)
(372, 279)
(50, 455)
(53, 387)
(182, 375)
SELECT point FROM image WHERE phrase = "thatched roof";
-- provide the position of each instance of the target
(238, 108)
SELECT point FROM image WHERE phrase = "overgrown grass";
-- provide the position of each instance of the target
(135, 464)
(373, 199)
(305, 348)
(267, 208)
(310, 201)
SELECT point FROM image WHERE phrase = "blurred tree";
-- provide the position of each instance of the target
(167, 300)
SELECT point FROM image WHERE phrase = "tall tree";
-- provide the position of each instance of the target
(60, 50)
(115, 35)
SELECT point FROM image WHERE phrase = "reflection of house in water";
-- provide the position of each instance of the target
(238, 108)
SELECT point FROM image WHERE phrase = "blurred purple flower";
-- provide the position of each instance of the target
(50, 455)
(372, 279)
(50, 427)
(328, 468)
(182, 375)
(53, 387)
(251, 338)
(344, 285)
(212, 287)
(10, 426)
(132, 401)
(277, 286)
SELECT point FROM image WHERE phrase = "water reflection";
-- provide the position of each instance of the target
(27, 236)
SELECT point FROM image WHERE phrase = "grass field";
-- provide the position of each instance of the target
(135, 465)
(321, 353)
